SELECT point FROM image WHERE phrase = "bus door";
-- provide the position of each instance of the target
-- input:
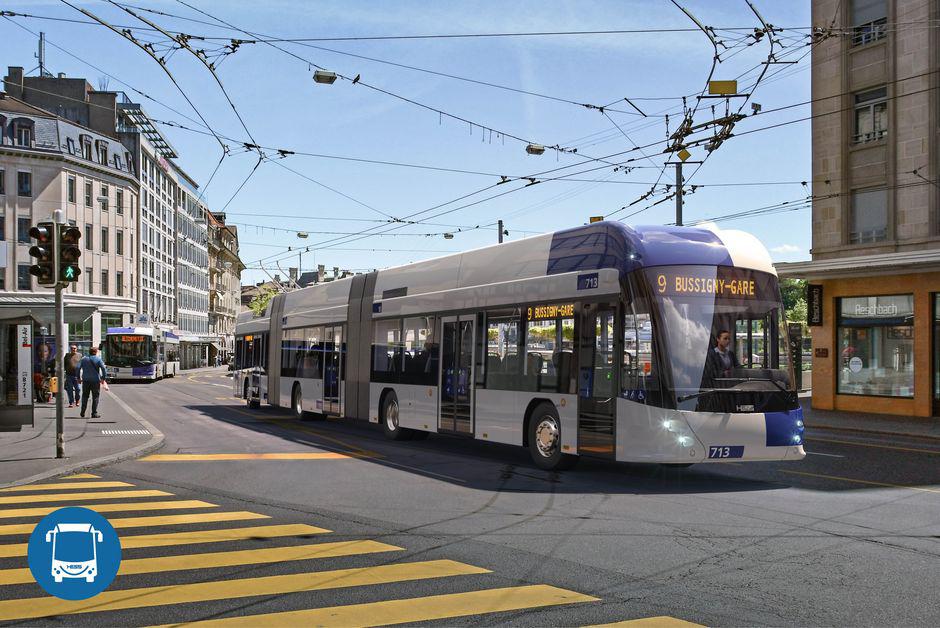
(597, 379)
(455, 383)
(333, 345)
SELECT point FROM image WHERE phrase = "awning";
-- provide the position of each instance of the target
(42, 309)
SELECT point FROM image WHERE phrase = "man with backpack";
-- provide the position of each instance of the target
(93, 373)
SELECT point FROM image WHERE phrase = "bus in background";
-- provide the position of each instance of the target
(604, 340)
(141, 353)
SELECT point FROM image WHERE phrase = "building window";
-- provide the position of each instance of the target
(23, 224)
(103, 152)
(88, 193)
(70, 145)
(24, 183)
(104, 282)
(70, 189)
(876, 341)
(104, 239)
(871, 115)
(23, 278)
(119, 201)
(869, 21)
(869, 216)
(3, 186)
(119, 283)
(103, 199)
(91, 280)
(119, 242)
(86, 146)
(24, 135)
(89, 239)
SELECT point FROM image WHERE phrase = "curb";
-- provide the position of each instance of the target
(155, 442)
(861, 430)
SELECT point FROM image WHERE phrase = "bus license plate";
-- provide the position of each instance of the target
(726, 451)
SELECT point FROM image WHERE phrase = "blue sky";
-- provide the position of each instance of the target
(282, 107)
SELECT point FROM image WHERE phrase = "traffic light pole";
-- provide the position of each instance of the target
(59, 218)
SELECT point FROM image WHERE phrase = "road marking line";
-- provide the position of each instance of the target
(935, 452)
(663, 621)
(329, 455)
(211, 560)
(414, 610)
(194, 537)
(74, 497)
(41, 511)
(869, 482)
(47, 606)
(56, 486)
(142, 522)
(80, 476)
(816, 453)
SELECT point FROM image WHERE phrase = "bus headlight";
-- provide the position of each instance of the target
(797, 439)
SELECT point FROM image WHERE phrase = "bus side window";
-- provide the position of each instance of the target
(639, 381)
(503, 355)
(387, 351)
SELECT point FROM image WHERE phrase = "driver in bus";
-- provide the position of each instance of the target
(722, 359)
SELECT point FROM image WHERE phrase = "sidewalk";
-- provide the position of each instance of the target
(120, 433)
(889, 425)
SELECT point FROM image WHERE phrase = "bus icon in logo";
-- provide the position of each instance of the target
(74, 551)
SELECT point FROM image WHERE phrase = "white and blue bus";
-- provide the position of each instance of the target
(596, 341)
(141, 353)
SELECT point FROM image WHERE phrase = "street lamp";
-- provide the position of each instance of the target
(302, 234)
(324, 77)
(535, 149)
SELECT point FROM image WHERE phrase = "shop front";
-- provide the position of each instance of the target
(875, 325)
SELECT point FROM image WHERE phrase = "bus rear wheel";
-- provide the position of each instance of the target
(297, 402)
(390, 413)
(545, 439)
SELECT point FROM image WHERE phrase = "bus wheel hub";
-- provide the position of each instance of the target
(546, 435)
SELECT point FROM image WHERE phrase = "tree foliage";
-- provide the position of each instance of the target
(792, 291)
(259, 303)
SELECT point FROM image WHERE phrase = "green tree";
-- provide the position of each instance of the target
(792, 291)
(260, 301)
(797, 313)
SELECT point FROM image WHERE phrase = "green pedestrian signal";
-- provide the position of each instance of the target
(69, 252)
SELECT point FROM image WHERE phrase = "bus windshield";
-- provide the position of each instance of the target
(129, 350)
(724, 330)
(74, 547)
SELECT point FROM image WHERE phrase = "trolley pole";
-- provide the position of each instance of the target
(679, 193)
(59, 218)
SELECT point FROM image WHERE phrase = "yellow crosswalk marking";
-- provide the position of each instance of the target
(80, 476)
(195, 537)
(208, 560)
(413, 610)
(663, 621)
(57, 486)
(27, 608)
(324, 455)
(41, 511)
(142, 522)
(76, 497)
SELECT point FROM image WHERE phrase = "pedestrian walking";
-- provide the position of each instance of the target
(70, 362)
(93, 373)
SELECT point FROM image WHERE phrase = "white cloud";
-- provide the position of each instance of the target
(786, 248)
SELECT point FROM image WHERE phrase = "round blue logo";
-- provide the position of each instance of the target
(74, 553)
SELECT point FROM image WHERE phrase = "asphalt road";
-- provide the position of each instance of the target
(449, 530)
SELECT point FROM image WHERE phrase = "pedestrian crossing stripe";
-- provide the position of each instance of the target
(208, 560)
(41, 511)
(412, 610)
(141, 522)
(195, 537)
(31, 608)
(80, 476)
(124, 432)
(56, 486)
(75, 497)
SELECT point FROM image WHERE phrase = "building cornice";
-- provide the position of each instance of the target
(53, 155)
(862, 265)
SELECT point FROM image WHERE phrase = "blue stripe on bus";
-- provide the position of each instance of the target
(784, 428)
(615, 245)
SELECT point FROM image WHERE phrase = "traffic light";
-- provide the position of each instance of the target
(69, 252)
(45, 252)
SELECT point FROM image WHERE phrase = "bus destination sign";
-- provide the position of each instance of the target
(728, 283)
(132, 338)
(550, 312)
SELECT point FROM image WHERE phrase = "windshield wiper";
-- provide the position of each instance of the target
(704, 392)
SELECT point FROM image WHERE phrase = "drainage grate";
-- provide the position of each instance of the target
(124, 432)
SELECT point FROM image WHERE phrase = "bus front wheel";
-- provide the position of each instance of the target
(545, 439)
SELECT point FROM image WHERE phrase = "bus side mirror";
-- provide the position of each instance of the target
(99, 535)
(49, 536)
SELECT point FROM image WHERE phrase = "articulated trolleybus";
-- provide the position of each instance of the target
(599, 341)
(144, 353)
